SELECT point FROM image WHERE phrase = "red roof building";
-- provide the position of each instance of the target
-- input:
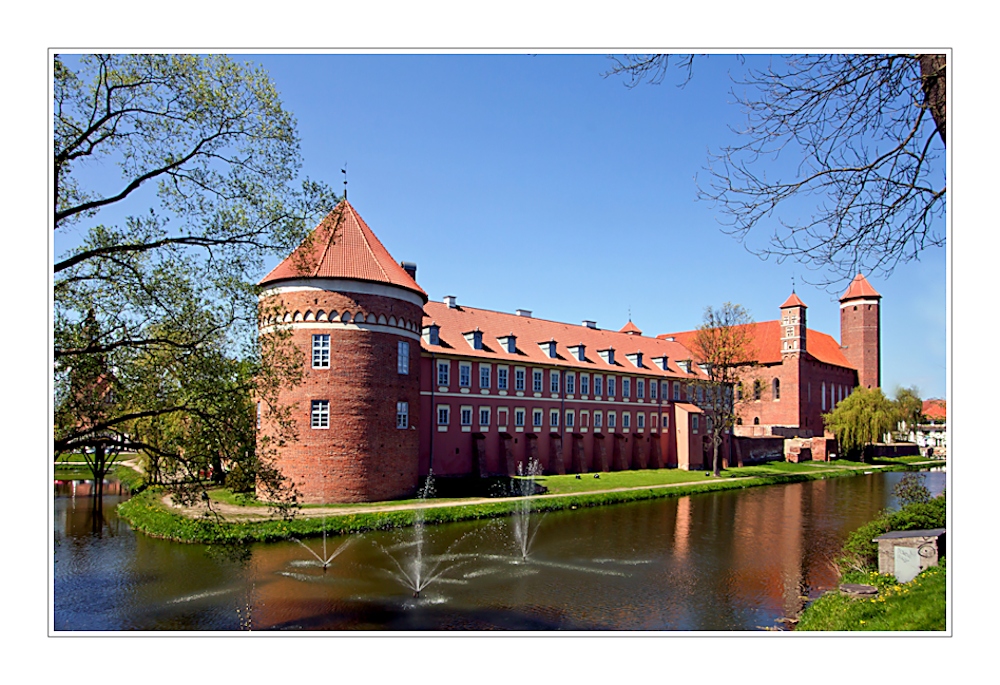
(936, 411)
(396, 387)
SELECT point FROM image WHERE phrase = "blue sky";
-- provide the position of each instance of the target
(531, 181)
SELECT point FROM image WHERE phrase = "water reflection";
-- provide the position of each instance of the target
(723, 561)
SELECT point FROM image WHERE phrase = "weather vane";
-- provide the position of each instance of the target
(344, 172)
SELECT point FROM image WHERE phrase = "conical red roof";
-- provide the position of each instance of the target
(343, 246)
(630, 328)
(793, 301)
(860, 287)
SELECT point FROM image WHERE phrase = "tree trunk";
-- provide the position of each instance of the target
(933, 73)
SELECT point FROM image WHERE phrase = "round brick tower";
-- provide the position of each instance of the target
(860, 331)
(353, 314)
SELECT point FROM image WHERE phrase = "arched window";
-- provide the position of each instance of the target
(756, 389)
(776, 389)
(756, 420)
(739, 422)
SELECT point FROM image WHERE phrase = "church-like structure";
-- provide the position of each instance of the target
(395, 386)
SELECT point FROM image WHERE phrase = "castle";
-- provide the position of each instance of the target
(396, 386)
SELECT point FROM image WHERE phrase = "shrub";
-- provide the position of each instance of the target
(911, 490)
(861, 554)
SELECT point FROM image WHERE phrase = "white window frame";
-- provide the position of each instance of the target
(598, 419)
(519, 416)
(319, 414)
(640, 388)
(488, 371)
(677, 391)
(585, 384)
(553, 381)
(447, 414)
(519, 379)
(626, 419)
(611, 385)
(570, 383)
(465, 412)
(321, 345)
(553, 414)
(654, 388)
(612, 420)
(626, 387)
(537, 418)
(598, 385)
(444, 369)
(503, 379)
(570, 418)
(402, 415)
(465, 374)
(484, 413)
(403, 357)
(537, 380)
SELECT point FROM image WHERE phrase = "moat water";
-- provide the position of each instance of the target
(731, 561)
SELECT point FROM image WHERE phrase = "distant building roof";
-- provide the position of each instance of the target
(343, 246)
(630, 328)
(793, 301)
(767, 341)
(455, 321)
(859, 287)
(935, 409)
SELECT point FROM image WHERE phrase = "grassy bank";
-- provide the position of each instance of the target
(147, 513)
(917, 605)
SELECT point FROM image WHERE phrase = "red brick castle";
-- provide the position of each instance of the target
(396, 386)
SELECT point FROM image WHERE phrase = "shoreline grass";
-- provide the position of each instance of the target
(146, 513)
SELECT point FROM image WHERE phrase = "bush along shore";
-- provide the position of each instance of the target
(919, 605)
(146, 512)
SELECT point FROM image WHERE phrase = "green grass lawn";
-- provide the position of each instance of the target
(917, 605)
(568, 484)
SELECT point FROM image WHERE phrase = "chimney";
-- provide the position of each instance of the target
(524, 312)
(451, 301)
(590, 324)
(411, 269)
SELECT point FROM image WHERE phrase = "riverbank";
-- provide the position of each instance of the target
(224, 521)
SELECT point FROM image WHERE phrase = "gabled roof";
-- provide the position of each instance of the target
(793, 301)
(859, 287)
(935, 409)
(630, 328)
(767, 341)
(342, 246)
(531, 331)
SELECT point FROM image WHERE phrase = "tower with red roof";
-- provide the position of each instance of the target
(353, 316)
(860, 330)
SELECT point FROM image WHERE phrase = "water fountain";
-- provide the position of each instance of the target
(521, 521)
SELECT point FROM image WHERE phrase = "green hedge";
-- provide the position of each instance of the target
(861, 554)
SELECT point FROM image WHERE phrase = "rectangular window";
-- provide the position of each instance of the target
(694, 423)
(484, 416)
(402, 414)
(553, 381)
(554, 418)
(585, 419)
(611, 419)
(444, 371)
(321, 351)
(598, 418)
(677, 391)
(665, 421)
(569, 418)
(665, 390)
(466, 416)
(320, 414)
(258, 415)
(536, 380)
(502, 417)
(701, 394)
(536, 418)
(584, 384)
(464, 375)
(611, 386)
(626, 387)
(598, 385)
(570, 383)
(403, 357)
(640, 388)
(519, 417)
(484, 376)
(444, 414)
(653, 385)
(640, 420)
(652, 421)
(501, 378)
(626, 419)
(519, 380)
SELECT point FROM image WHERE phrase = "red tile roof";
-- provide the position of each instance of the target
(454, 321)
(630, 328)
(343, 246)
(767, 339)
(935, 409)
(793, 301)
(859, 287)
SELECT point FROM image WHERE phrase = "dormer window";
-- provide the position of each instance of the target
(635, 358)
(705, 368)
(661, 362)
(685, 365)
(431, 334)
(475, 339)
(548, 348)
(608, 355)
(579, 352)
(508, 343)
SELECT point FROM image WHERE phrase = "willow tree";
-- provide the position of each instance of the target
(174, 177)
(861, 419)
(909, 407)
(724, 346)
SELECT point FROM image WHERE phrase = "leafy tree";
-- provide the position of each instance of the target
(911, 490)
(155, 309)
(909, 407)
(862, 418)
(724, 345)
(867, 134)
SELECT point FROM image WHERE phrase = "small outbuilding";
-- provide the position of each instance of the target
(905, 553)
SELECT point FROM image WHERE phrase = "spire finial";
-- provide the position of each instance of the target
(793, 283)
(344, 172)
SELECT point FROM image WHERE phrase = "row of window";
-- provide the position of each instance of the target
(321, 353)
(569, 418)
(558, 381)
(319, 414)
